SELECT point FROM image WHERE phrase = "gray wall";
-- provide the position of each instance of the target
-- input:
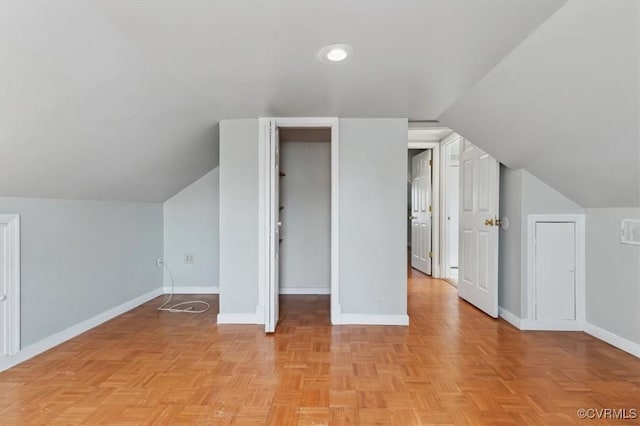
(509, 252)
(522, 194)
(191, 227)
(613, 274)
(538, 198)
(81, 258)
(238, 216)
(373, 254)
(305, 193)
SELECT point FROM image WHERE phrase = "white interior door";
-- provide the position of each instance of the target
(272, 306)
(478, 259)
(421, 212)
(554, 271)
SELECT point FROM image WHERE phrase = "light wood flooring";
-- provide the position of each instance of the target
(452, 365)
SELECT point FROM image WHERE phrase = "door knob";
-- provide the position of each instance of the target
(413, 217)
(488, 222)
(3, 298)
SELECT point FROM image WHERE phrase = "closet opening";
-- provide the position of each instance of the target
(305, 231)
(298, 221)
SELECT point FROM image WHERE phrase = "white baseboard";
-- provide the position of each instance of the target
(71, 332)
(559, 325)
(509, 317)
(613, 339)
(369, 319)
(305, 290)
(234, 318)
(178, 289)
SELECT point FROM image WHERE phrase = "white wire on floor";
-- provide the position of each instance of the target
(176, 307)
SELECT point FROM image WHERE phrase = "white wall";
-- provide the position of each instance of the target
(191, 227)
(521, 195)
(238, 223)
(372, 202)
(82, 258)
(613, 274)
(305, 193)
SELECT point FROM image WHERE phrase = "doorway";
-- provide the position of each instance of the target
(420, 208)
(305, 215)
(450, 200)
(293, 241)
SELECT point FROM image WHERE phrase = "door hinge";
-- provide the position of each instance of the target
(431, 162)
(429, 209)
(430, 254)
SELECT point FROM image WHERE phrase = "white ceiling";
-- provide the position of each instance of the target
(565, 105)
(121, 100)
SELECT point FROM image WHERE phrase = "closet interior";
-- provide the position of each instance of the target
(305, 216)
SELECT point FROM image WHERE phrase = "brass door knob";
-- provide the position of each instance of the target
(413, 217)
(488, 222)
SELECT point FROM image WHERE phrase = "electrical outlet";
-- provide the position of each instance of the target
(188, 258)
(159, 262)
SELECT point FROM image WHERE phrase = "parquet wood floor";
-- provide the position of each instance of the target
(452, 365)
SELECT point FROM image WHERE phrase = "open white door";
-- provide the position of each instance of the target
(479, 196)
(273, 293)
(421, 207)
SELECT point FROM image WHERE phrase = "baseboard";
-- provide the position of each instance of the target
(305, 290)
(73, 331)
(178, 289)
(369, 319)
(509, 317)
(558, 325)
(454, 283)
(613, 339)
(233, 318)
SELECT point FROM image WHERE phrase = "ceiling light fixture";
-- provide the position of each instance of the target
(335, 52)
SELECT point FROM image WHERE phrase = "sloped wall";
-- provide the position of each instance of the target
(191, 227)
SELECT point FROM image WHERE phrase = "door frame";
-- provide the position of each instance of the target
(263, 207)
(443, 215)
(423, 139)
(12, 326)
(569, 325)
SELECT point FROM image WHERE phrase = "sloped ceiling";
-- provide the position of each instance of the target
(121, 100)
(564, 105)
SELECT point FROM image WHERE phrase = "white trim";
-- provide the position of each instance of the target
(452, 281)
(305, 290)
(414, 142)
(71, 332)
(613, 339)
(509, 317)
(234, 318)
(190, 289)
(11, 329)
(578, 324)
(444, 239)
(532, 325)
(263, 216)
(557, 325)
(373, 319)
(428, 134)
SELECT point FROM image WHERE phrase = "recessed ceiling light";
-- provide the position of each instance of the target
(335, 52)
